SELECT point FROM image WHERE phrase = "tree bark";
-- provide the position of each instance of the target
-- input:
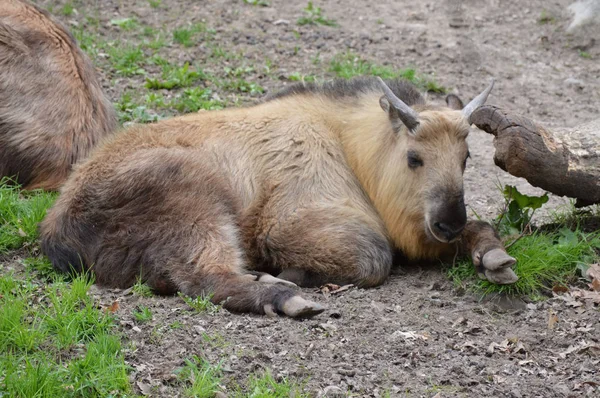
(565, 162)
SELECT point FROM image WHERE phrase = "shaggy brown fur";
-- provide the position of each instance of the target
(313, 185)
(52, 108)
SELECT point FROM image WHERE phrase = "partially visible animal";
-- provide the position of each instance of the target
(53, 110)
(317, 184)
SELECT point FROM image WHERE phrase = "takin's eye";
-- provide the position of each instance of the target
(414, 160)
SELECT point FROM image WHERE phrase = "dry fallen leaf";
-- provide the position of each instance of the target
(114, 307)
(21, 233)
(332, 288)
(145, 388)
(552, 320)
(594, 297)
(559, 289)
(595, 285)
(593, 272)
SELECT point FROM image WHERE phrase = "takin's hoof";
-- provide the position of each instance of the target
(502, 276)
(497, 259)
(296, 307)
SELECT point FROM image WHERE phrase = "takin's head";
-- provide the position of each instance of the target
(429, 156)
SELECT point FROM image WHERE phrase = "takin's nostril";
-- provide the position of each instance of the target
(449, 231)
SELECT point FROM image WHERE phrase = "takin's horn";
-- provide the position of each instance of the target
(477, 102)
(409, 117)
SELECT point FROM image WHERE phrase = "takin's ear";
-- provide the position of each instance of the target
(400, 113)
(454, 102)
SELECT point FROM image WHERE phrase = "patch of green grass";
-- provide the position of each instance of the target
(127, 60)
(67, 10)
(200, 304)
(154, 3)
(313, 15)
(126, 24)
(20, 214)
(174, 77)
(261, 3)
(142, 314)
(55, 342)
(585, 54)
(187, 36)
(348, 65)
(200, 378)
(131, 112)
(543, 260)
(89, 42)
(298, 77)
(265, 386)
(194, 99)
(141, 289)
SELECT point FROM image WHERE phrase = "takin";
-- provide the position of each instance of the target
(317, 184)
(52, 108)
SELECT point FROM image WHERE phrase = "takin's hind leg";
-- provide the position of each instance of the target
(490, 258)
(333, 245)
(218, 271)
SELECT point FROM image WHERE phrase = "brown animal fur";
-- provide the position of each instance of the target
(52, 108)
(313, 184)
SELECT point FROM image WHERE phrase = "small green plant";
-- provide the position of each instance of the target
(261, 3)
(200, 303)
(201, 379)
(141, 289)
(545, 18)
(127, 60)
(68, 9)
(194, 99)
(265, 385)
(154, 3)
(518, 211)
(125, 23)
(585, 54)
(298, 77)
(186, 36)
(142, 314)
(131, 112)
(314, 16)
(174, 77)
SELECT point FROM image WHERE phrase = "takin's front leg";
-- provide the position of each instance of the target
(480, 240)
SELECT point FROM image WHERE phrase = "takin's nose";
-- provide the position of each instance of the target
(449, 231)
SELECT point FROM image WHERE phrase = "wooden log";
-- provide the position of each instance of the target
(565, 162)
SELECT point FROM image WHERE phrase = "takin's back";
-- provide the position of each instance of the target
(52, 107)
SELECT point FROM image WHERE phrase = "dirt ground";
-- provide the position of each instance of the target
(417, 335)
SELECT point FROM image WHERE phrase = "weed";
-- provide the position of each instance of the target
(127, 60)
(68, 9)
(154, 3)
(348, 65)
(174, 77)
(265, 386)
(261, 3)
(585, 54)
(201, 378)
(194, 99)
(141, 289)
(186, 36)
(546, 17)
(518, 211)
(142, 314)
(200, 304)
(297, 77)
(131, 112)
(314, 16)
(126, 24)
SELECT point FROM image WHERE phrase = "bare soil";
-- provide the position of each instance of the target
(417, 335)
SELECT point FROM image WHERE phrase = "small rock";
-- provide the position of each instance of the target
(281, 22)
(136, 329)
(332, 391)
(571, 81)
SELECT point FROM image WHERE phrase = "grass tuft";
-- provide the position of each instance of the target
(200, 304)
(348, 65)
(543, 260)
